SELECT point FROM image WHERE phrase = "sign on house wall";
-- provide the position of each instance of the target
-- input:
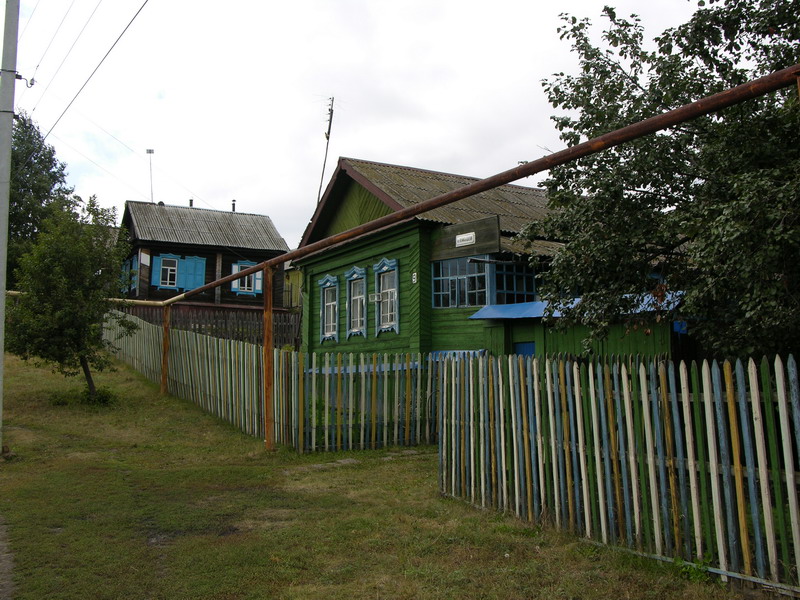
(468, 239)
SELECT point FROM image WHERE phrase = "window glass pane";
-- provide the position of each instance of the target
(357, 316)
(458, 283)
(169, 272)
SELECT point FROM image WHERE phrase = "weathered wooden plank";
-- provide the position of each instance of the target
(749, 455)
(779, 501)
(788, 459)
(527, 405)
(691, 461)
(718, 509)
(552, 414)
(540, 455)
(597, 455)
(738, 468)
(651, 458)
(723, 437)
(632, 453)
(574, 473)
(627, 514)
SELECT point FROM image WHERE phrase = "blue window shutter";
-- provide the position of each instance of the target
(258, 285)
(183, 272)
(155, 271)
(191, 272)
(235, 284)
(135, 274)
(199, 272)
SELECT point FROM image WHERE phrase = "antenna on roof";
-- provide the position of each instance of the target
(327, 143)
(150, 152)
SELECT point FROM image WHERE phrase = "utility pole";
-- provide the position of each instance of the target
(8, 75)
(150, 155)
(327, 143)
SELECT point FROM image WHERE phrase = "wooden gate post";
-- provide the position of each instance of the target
(268, 361)
(165, 348)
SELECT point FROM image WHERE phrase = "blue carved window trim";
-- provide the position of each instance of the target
(328, 308)
(356, 301)
(387, 296)
(251, 285)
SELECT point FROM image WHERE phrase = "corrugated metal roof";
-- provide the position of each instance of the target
(534, 247)
(185, 225)
(516, 205)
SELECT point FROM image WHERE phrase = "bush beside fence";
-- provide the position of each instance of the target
(694, 462)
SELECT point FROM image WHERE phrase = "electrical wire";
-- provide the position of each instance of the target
(101, 167)
(52, 39)
(24, 29)
(63, 60)
(88, 79)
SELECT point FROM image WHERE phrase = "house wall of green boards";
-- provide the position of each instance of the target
(646, 339)
(408, 246)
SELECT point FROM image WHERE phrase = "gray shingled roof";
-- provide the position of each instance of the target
(516, 206)
(184, 225)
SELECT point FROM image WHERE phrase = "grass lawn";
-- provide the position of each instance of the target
(151, 498)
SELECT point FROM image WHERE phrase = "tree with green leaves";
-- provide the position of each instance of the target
(66, 280)
(710, 209)
(38, 186)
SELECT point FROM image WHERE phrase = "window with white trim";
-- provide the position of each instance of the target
(169, 273)
(249, 285)
(172, 272)
(329, 308)
(356, 301)
(386, 305)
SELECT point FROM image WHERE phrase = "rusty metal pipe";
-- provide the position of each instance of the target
(747, 91)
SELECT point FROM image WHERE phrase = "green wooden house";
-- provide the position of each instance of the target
(452, 279)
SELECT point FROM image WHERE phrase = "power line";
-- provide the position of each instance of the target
(63, 60)
(85, 83)
(52, 39)
(33, 12)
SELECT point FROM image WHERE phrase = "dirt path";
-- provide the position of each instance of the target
(6, 565)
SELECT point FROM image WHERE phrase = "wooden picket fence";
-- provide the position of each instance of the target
(353, 402)
(245, 324)
(691, 462)
(320, 402)
(695, 462)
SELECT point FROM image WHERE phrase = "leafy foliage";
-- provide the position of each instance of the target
(38, 187)
(66, 280)
(709, 208)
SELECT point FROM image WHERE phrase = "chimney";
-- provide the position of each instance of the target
(233, 205)
(191, 202)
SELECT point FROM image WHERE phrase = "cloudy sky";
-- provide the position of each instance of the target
(233, 97)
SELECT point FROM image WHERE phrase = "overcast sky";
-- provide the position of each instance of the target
(233, 97)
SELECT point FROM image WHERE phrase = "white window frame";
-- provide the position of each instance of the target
(250, 285)
(329, 308)
(356, 303)
(387, 306)
(171, 272)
